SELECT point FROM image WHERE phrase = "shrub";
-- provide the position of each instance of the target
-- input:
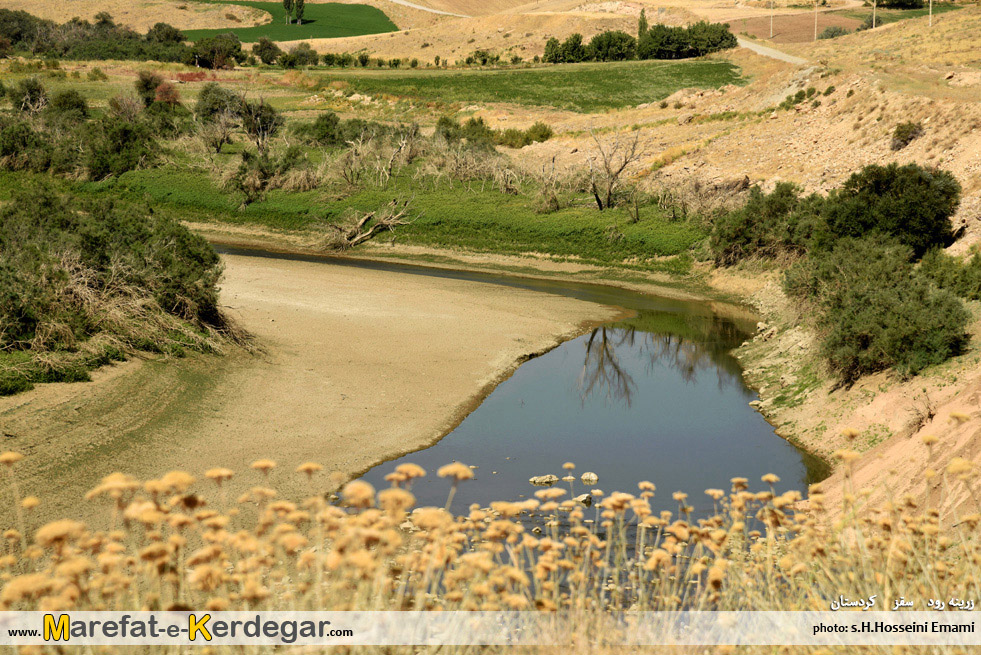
(768, 225)
(363, 59)
(168, 117)
(448, 129)
(911, 203)
(540, 132)
(146, 86)
(612, 45)
(23, 148)
(905, 134)
(875, 312)
(267, 51)
(164, 33)
(219, 51)
(833, 32)
(68, 106)
(97, 75)
(553, 51)
(962, 278)
(299, 56)
(214, 101)
(29, 96)
(117, 147)
(325, 130)
(106, 248)
(573, 50)
(260, 121)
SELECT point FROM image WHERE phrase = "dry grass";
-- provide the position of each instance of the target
(952, 41)
(178, 542)
(143, 14)
(523, 35)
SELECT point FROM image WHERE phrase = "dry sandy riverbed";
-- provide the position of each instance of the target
(359, 366)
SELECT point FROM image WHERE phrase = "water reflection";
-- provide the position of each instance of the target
(706, 348)
(656, 397)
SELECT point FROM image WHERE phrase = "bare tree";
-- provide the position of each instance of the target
(602, 369)
(369, 225)
(218, 131)
(607, 170)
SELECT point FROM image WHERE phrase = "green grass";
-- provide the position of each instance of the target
(577, 87)
(884, 16)
(320, 21)
(449, 217)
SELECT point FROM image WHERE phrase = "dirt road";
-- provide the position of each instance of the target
(360, 366)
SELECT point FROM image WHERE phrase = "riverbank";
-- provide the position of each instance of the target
(906, 432)
(358, 366)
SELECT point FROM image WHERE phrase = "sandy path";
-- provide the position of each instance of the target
(360, 366)
(430, 10)
(772, 53)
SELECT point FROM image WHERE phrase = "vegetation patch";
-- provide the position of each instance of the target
(83, 283)
(874, 308)
(577, 87)
(329, 20)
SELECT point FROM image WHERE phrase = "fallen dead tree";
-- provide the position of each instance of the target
(367, 226)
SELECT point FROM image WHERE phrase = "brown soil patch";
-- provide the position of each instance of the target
(791, 28)
(143, 14)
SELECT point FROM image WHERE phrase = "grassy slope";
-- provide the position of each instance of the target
(476, 218)
(320, 21)
(884, 16)
(577, 87)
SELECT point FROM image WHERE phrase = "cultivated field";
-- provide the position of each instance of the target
(320, 21)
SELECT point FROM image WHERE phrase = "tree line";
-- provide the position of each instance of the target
(652, 42)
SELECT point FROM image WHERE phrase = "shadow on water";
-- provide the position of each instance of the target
(656, 397)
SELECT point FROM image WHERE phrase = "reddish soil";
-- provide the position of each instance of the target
(792, 28)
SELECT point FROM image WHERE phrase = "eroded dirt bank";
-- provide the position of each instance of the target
(359, 366)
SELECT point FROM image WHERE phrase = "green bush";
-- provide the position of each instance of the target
(612, 45)
(696, 40)
(299, 56)
(146, 86)
(117, 147)
(219, 51)
(74, 269)
(28, 96)
(539, 132)
(962, 278)
(213, 100)
(875, 312)
(24, 148)
(905, 134)
(911, 203)
(267, 51)
(68, 106)
(768, 225)
(164, 33)
(833, 32)
(325, 130)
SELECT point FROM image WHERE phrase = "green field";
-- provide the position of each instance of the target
(884, 16)
(577, 87)
(320, 21)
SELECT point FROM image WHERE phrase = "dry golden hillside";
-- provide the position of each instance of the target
(452, 39)
(953, 40)
(142, 14)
